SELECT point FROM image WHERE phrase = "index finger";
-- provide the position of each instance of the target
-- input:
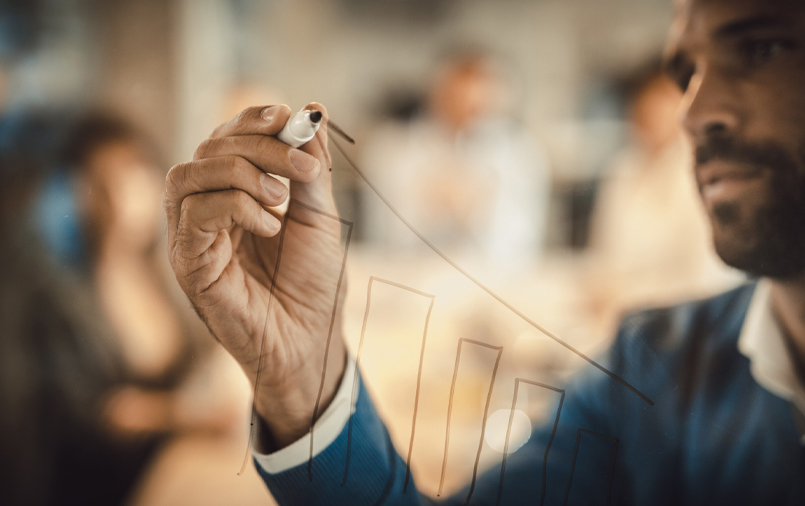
(265, 120)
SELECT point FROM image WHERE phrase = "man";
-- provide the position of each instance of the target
(463, 171)
(725, 375)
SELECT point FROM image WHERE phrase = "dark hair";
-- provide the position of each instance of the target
(96, 129)
(465, 53)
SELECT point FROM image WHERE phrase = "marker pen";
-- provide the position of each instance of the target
(300, 128)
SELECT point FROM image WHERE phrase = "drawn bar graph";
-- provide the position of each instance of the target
(432, 298)
(480, 285)
(575, 454)
(517, 382)
(499, 350)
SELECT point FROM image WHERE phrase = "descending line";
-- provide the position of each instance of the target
(483, 287)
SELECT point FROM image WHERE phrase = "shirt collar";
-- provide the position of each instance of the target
(761, 341)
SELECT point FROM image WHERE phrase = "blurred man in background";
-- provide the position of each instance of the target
(650, 241)
(469, 177)
(715, 412)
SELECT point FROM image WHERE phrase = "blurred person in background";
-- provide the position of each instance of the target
(168, 356)
(466, 174)
(650, 242)
(59, 362)
(99, 367)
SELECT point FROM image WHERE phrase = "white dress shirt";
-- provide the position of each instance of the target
(325, 431)
(762, 342)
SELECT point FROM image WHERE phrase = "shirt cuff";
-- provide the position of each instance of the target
(326, 429)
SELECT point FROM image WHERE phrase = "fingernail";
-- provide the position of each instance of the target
(269, 112)
(302, 161)
(271, 222)
(272, 187)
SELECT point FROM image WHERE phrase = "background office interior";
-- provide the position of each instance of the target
(529, 139)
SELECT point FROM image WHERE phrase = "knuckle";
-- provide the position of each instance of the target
(255, 143)
(216, 132)
(220, 129)
(240, 117)
(196, 280)
(244, 116)
(186, 209)
(233, 164)
(236, 123)
(245, 209)
(265, 144)
(243, 200)
(194, 287)
(172, 179)
(203, 149)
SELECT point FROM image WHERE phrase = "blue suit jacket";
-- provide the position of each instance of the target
(713, 437)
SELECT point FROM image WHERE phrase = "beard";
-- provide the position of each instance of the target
(765, 236)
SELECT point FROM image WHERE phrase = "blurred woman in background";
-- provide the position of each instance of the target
(99, 365)
(58, 360)
(119, 190)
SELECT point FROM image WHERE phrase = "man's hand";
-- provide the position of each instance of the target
(223, 246)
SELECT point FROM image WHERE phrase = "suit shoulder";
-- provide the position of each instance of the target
(665, 329)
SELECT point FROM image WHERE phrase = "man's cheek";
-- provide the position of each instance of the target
(725, 213)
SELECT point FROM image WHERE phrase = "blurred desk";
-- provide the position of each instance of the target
(201, 470)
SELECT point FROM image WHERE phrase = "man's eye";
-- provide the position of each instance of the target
(682, 78)
(762, 51)
(680, 72)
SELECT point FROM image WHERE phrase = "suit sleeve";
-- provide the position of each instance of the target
(361, 468)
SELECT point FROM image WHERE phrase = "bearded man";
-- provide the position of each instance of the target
(726, 375)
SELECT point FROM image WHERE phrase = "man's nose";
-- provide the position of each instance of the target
(711, 106)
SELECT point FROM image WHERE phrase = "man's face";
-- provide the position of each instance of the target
(741, 67)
